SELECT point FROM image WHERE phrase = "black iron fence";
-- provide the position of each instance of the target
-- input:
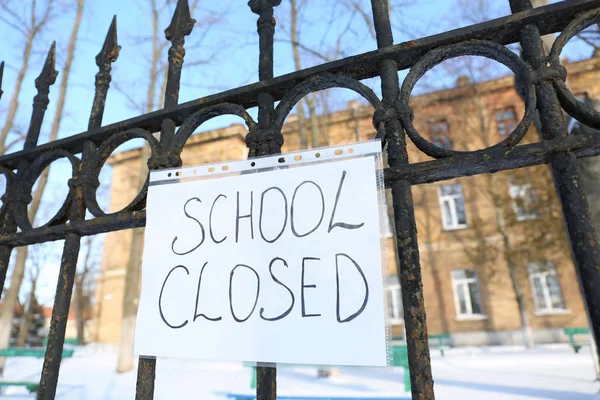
(540, 79)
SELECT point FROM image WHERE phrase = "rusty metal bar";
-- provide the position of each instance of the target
(181, 26)
(264, 140)
(409, 268)
(549, 19)
(584, 239)
(146, 375)
(419, 173)
(72, 245)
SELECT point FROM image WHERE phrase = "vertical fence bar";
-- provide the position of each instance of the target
(406, 230)
(265, 141)
(181, 26)
(72, 245)
(582, 234)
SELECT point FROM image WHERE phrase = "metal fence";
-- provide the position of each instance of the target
(540, 79)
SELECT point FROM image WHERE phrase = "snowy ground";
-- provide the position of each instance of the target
(547, 372)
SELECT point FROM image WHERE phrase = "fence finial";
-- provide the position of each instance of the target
(47, 76)
(181, 26)
(110, 48)
(182, 23)
(108, 54)
(40, 101)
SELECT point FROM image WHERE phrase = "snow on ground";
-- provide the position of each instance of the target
(546, 372)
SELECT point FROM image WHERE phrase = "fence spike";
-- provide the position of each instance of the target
(181, 26)
(40, 101)
(110, 48)
(104, 59)
(49, 73)
(182, 22)
(1, 74)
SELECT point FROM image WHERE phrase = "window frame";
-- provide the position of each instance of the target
(465, 282)
(527, 194)
(453, 211)
(545, 289)
(504, 121)
(394, 291)
(441, 134)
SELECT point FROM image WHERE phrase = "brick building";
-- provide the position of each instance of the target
(480, 238)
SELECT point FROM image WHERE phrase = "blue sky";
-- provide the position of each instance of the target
(229, 49)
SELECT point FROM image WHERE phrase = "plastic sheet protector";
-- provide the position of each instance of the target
(272, 260)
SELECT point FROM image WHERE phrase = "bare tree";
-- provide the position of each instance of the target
(29, 25)
(12, 294)
(84, 287)
(156, 84)
(35, 266)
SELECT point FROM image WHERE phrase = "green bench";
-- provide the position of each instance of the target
(571, 332)
(400, 359)
(37, 352)
(439, 337)
(249, 396)
(73, 341)
(32, 387)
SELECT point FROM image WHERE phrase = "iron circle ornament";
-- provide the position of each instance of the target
(481, 48)
(574, 107)
(21, 192)
(93, 166)
(10, 177)
(192, 122)
(320, 82)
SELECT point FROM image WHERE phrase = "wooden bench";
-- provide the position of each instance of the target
(37, 352)
(571, 332)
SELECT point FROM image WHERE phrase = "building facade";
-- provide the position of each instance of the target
(493, 248)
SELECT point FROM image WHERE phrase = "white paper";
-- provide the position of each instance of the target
(321, 336)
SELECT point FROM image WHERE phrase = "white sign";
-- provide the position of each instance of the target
(281, 266)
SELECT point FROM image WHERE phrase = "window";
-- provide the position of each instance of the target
(506, 121)
(452, 203)
(524, 200)
(466, 293)
(547, 295)
(394, 300)
(440, 134)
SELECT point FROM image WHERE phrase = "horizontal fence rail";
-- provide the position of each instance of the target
(539, 78)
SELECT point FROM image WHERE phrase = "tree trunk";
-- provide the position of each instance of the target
(17, 278)
(80, 311)
(314, 123)
(512, 266)
(27, 314)
(14, 100)
(10, 302)
(131, 291)
(298, 66)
